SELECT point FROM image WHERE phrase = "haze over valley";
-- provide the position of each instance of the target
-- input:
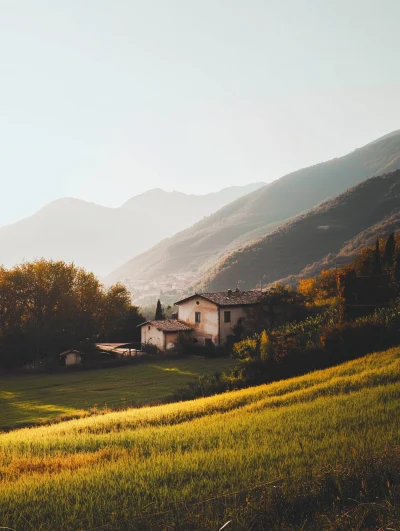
(200, 265)
(101, 238)
(192, 258)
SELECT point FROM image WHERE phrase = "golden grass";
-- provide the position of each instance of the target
(79, 473)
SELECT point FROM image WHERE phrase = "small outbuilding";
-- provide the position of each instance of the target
(120, 349)
(71, 357)
(164, 334)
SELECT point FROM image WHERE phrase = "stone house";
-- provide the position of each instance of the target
(204, 318)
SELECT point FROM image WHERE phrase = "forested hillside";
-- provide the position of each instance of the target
(259, 213)
(371, 208)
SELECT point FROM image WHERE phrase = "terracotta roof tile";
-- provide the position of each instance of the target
(169, 325)
(229, 298)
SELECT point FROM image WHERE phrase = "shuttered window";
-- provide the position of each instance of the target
(227, 317)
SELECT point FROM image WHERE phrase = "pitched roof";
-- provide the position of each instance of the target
(229, 298)
(113, 346)
(70, 351)
(169, 325)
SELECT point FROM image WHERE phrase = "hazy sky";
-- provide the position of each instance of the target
(103, 99)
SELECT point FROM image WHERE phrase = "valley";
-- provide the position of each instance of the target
(209, 245)
(200, 266)
(100, 238)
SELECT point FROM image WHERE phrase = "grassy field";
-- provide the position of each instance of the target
(35, 398)
(290, 455)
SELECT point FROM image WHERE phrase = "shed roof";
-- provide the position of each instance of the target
(169, 325)
(229, 298)
(70, 351)
(110, 347)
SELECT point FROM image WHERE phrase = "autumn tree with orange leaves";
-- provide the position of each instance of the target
(47, 306)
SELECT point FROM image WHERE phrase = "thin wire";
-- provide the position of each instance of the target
(200, 502)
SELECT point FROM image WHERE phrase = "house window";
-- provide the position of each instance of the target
(227, 317)
(197, 317)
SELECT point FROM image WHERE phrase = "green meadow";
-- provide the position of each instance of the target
(320, 451)
(29, 399)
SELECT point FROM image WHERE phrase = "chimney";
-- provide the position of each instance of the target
(229, 292)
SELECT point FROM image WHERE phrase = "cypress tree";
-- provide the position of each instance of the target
(159, 312)
(389, 253)
(397, 267)
(377, 268)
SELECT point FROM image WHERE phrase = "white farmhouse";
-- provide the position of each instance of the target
(204, 318)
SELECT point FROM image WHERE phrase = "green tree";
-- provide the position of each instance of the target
(279, 305)
(389, 253)
(159, 315)
(377, 267)
(119, 318)
(48, 306)
(266, 347)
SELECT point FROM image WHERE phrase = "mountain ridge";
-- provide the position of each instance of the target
(99, 237)
(331, 232)
(196, 249)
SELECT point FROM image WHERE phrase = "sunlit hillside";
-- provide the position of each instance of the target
(198, 248)
(322, 236)
(290, 455)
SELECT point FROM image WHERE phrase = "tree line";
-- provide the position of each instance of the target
(293, 331)
(48, 306)
(338, 315)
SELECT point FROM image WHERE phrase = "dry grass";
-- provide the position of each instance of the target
(321, 435)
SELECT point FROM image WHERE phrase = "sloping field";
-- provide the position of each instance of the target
(290, 451)
(28, 399)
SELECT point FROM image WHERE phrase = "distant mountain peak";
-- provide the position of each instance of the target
(199, 251)
(99, 237)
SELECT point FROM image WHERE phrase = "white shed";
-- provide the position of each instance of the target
(72, 357)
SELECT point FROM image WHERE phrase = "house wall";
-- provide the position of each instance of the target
(226, 329)
(208, 327)
(152, 336)
(162, 340)
(211, 317)
(171, 339)
(72, 359)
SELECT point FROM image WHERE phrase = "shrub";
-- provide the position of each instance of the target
(351, 340)
(203, 386)
(150, 349)
(266, 346)
(247, 348)
(317, 342)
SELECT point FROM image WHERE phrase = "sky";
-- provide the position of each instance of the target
(104, 99)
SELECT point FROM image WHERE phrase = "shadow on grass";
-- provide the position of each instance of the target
(15, 414)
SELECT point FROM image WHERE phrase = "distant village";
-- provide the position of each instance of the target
(168, 288)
